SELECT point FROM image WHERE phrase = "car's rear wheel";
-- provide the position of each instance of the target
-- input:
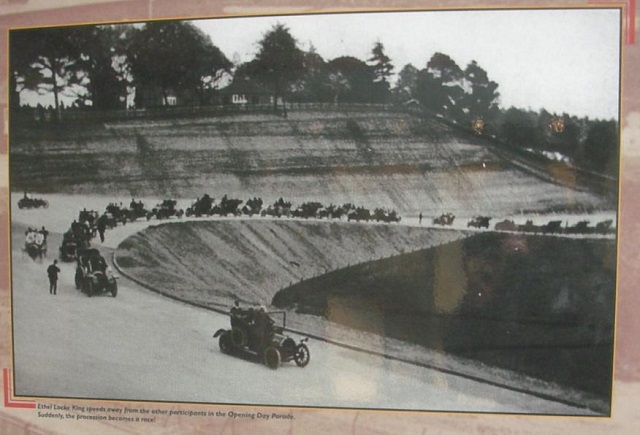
(302, 355)
(272, 357)
(225, 342)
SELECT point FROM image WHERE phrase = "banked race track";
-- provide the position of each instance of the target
(179, 277)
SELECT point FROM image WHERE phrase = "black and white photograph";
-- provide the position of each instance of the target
(402, 210)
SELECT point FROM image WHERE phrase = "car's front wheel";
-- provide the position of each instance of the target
(302, 355)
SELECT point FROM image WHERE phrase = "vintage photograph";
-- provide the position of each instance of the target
(399, 210)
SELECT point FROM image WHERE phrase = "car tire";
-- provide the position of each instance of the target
(114, 289)
(225, 343)
(302, 355)
(272, 357)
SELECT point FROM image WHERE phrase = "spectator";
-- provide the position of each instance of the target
(53, 271)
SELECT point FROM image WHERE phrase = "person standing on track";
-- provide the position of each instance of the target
(102, 226)
(53, 271)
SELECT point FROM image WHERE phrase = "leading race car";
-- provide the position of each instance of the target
(93, 275)
(254, 332)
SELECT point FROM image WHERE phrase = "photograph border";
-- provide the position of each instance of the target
(11, 400)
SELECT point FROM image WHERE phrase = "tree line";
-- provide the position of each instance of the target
(98, 67)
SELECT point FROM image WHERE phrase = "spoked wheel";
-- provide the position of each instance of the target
(272, 357)
(302, 355)
(225, 342)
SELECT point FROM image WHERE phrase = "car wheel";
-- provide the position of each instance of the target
(225, 342)
(114, 289)
(302, 355)
(89, 288)
(272, 357)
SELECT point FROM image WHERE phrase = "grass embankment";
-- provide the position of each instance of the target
(543, 306)
(374, 159)
(214, 262)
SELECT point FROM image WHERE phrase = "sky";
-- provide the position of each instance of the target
(562, 60)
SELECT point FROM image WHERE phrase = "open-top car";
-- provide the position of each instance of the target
(166, 209)
(254, 332)
(93, 275)
(35, 244)
(27, 202)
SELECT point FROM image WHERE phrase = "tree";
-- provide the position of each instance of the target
(104, 62)
(47, 60)
(353, 79)
(406, 86)
(601, 146)
(174, 55)
(481, 97)
(382, 70)
(23, 47)
(314, 83)
(338, 84)
(520, 128)
(278, 62)
(440, 87)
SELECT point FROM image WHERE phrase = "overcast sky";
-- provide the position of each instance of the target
(563, 60)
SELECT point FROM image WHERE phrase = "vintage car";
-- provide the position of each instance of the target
(35, 244)
(115, 214)
(479, 222)
(137, 211)
(93, 275)
(388, 216)
(201, 206)
(444, 219)
(27, 202)
(166, 209)
(254, 332)
(68, 249)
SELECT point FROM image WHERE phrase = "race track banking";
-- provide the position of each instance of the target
(142, 346)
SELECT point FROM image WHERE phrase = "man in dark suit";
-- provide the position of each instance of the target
(53, 271)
